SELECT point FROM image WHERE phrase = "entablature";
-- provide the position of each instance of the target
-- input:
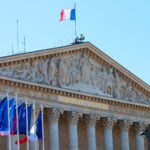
(59, 92)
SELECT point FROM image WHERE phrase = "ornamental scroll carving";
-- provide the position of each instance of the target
(76, 72)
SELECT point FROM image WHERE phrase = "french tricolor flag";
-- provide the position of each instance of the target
(68, 14)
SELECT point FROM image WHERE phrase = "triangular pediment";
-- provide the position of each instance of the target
(80, 67)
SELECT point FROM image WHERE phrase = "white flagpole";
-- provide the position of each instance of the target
(8, 120)
(34, 126)
(42, 107)
(17, 122)
(27, 123)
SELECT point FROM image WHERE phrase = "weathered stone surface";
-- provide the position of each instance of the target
(76, 72)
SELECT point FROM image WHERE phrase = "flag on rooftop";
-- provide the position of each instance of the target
(68, 14)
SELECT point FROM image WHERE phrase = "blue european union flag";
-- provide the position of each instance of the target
(39, 127)
(4, 114)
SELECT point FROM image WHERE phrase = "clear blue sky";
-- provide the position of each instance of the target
(120, 28)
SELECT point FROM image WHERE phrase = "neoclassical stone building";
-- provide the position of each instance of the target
(90, 101)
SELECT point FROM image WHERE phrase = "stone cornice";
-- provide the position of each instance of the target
(69, 93)
(43, 53)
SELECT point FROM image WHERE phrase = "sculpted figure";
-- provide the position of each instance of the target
(142, 98)
(63, 72)
(24, 71)
(74, 75)
(122, 89)
(133, 96)
(31, 74)
(94, 76)
(96, 83)
(71, 68)
(42, 73)
(21, 71)
(99, 81)
(104, 80)
(45, 70)
(39, 77)
(84, 68)
(128, 92)
(8, 72)
(110, 81)
(117, 85)
(52, 72)
(139, 98)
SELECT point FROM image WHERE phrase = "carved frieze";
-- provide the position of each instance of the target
(77, 72)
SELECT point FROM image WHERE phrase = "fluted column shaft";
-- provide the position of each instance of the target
(124, 135)
(108, 140)
(53, 129)
(139, 139)
(73, 118)
(90, 126)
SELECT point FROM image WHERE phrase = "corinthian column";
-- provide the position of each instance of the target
(140, 139)
(73, 118)
(124, 135)
(108, 125)
(90, 126)
(53, 129)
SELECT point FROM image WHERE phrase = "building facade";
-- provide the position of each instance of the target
(90, 102)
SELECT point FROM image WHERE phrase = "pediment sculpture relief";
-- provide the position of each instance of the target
(76, 72)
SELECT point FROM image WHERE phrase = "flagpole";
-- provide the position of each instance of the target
(27, 123)
(34, 126)
(42, 107)
(17, 121)
(8, 120)
(75, 20)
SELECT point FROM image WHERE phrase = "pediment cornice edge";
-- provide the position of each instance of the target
(43, 53)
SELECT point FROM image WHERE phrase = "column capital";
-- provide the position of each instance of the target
(108, 122)
(73, 117)
(140, 126)
(125, 124)
(91, 119)
(54, 114)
